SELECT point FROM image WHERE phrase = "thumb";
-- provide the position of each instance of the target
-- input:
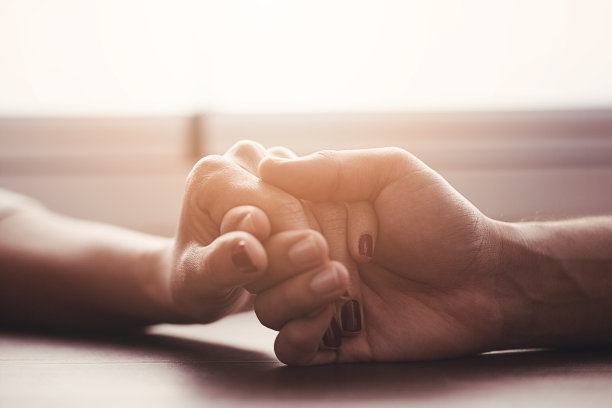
(349, 175)
(233, 259)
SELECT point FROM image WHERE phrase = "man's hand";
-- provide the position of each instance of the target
(429, 291)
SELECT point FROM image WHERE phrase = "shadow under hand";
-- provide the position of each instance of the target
(402, 381)
(214, 371)
(125, 346)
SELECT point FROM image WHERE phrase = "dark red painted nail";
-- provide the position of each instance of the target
(332, 337)
(241, 259)
(351, 316)
(365, 245)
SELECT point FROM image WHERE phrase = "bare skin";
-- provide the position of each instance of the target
(58, 271)
(445, 280)
(62, 272)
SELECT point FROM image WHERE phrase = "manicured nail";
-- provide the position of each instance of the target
(351, 316)
(332, 337)
(365, 245)
(241, 259)
(305, 252)
(326, 281)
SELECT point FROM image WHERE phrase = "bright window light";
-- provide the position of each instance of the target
(176, 57)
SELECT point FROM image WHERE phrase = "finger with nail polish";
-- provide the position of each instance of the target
(332, 337)
(211, 275)
(362, 230)
(350, 317)
(241, 258)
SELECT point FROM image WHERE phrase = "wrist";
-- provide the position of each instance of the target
(513, 260)
(158, 258)
(542, 299)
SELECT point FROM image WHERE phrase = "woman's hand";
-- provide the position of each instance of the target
(239, 235)
(429, 291)
(58, 271)
(219, 247)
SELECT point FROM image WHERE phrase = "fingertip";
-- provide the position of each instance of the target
(261, 223)
(248, 255)
(309, 251)
(234, 259)
(247, 218)
(290, 253)
(243, 258)
(282, 152)
(332, 279)
(298, 341)
(363, 249)
(266, 164)
(270, 165)
(343, 275)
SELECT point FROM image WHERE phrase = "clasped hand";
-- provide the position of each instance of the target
(352, 256)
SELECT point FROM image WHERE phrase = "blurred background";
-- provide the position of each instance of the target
(106, 105)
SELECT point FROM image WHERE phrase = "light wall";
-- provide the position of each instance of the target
(96, 97)
(85, 57)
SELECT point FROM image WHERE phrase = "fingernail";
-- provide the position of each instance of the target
(305, 252)
(325, 281)
(365, 245)
(332, 337)
(351, 316)
(241, 259)
(246, 224)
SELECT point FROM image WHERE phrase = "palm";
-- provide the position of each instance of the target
(423, 294)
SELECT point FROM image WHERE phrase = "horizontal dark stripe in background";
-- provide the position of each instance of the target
(131, 170)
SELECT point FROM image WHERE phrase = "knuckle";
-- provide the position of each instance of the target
(205, 168)
(202, 178)
(396, 154)
(246, 148)
(399, 162)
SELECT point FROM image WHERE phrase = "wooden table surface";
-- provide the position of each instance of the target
(231, 363)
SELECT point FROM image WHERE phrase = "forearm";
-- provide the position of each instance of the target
(554, 283)
(60, 271)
